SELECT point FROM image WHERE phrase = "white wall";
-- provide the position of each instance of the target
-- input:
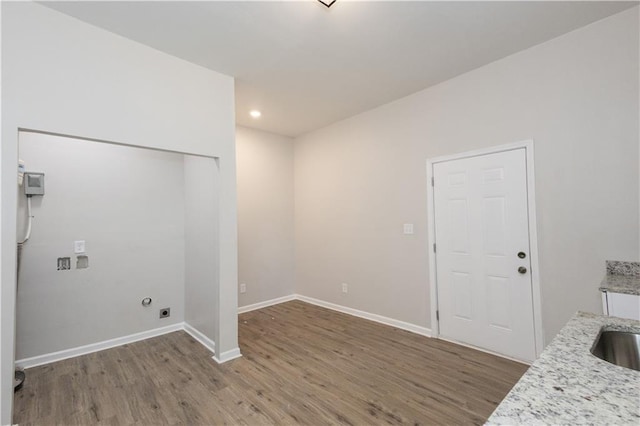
(265, 215)
(359, 180)
(127, 204)
(201, 178)
(64, 76)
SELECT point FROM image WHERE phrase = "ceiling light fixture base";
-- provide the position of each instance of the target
(327, 3)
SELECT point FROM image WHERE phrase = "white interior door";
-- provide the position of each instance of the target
(484, 284)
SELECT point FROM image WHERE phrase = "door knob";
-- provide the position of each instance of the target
(522, 255)
(522, 270)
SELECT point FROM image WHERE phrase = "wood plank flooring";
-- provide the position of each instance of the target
(301, 364)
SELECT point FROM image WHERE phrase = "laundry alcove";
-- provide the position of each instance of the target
(149, 222)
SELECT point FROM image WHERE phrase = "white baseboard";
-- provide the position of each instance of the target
(204, 340)
(200, 337)
(345, 310)
(95, 347)
(366, 315)
(479, 349)
(260, 305)
(227, 356)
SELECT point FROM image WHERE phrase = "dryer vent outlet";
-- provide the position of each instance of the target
(165, 312)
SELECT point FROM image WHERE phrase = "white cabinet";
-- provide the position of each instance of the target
(621, 305)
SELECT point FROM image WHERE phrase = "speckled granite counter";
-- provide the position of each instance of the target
(622, 277)
(625, 284)
(568, 385)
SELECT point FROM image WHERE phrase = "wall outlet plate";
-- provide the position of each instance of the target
(243, 288)
(345, 287)
(33, 183)
(79, 247)
(165, 312)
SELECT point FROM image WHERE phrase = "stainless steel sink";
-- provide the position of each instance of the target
(619, 348)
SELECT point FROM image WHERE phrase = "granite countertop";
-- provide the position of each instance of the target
(626, 284)
(569, 385)
(621, 277)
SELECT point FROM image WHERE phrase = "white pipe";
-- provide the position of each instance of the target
(28, 234)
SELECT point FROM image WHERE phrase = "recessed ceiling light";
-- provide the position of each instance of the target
(255, 113)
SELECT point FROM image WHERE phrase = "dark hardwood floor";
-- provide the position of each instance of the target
(301, 364)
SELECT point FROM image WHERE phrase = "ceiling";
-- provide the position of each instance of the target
(305, 66)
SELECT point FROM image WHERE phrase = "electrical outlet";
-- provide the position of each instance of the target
(407, 228)
(243, 288)
(345, 288)
(165, 312)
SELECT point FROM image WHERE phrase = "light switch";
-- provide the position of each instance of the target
(408, 228)
(79, 246)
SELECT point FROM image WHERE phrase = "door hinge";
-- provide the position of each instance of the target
(437, 315)
(432, 181)
(434, 247)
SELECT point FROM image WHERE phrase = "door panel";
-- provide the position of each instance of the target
(494, 218)
(461, 282)
(481, 223)
(458, 217)
(498, 295)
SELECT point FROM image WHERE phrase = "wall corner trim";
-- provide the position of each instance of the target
(339, 308)
(200, 337)
(266, 303)
(227, 356)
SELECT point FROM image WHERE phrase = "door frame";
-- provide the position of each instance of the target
(533, 234)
